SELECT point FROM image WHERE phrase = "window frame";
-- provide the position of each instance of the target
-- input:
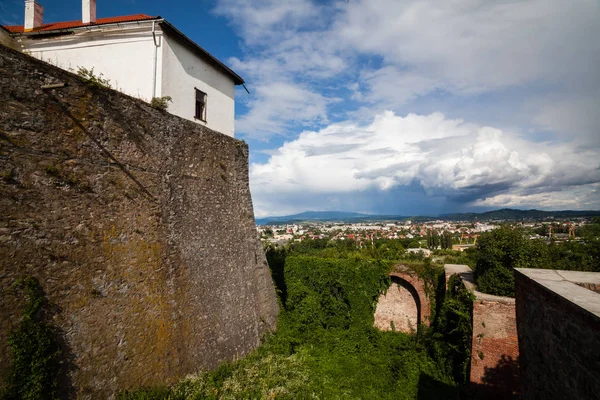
(200, 93)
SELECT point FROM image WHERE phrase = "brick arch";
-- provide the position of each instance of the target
(391, 305)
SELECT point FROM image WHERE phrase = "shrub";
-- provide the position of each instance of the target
(93, 79)
(161, 103)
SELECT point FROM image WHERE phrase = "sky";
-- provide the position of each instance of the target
(402, 106)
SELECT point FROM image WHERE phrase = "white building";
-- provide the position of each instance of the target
(425, 252)
(141, 55)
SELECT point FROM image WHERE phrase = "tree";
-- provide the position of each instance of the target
(433, 240)
(501, 250)
(446, 240)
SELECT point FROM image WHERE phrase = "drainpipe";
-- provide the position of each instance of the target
(155, 59)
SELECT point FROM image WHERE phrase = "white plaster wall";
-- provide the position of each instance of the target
(182, 71)
(6, 40)
(124, 56)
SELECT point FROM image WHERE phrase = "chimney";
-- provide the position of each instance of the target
(34, 15)
(88, 9)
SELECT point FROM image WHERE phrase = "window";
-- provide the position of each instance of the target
(200, 105)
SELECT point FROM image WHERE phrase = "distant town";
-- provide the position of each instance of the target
(459, 235)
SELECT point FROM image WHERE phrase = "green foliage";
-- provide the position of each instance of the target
(446, 240)
(52, 170)
(576, 255)
(10, 176)
(450, 342)
(433, 240)
(34, 363)
(432, 276)
(590, 231)
(414, 244)
(332, 294)
(92, 79)
(276, 259)
(326, 346)
(499, 252)
(503, 249)
(161, 103)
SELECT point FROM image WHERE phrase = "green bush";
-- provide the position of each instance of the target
(34, 363)
(92, 79)
(161, 103)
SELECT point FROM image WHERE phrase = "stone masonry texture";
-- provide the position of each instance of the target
(139, 227)
(396, 310)
(405, 303)
(559, 344)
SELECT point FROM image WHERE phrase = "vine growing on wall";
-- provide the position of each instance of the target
(453, 330)
(34, 364)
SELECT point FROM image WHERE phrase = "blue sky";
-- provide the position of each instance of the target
(402, 106)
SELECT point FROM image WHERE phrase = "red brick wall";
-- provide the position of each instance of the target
(406, 304)
(495, 349)
(419, 286)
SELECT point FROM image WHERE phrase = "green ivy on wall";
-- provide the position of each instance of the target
(34, 363)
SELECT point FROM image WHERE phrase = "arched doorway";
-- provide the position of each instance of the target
(399, 308)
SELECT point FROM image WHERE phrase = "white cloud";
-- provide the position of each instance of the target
(581, 197)
(276, 106)
(464, 162)
(529, 65)
(259, 20)
(475, 45)
(391, 52)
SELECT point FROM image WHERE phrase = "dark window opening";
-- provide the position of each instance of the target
(200, 105)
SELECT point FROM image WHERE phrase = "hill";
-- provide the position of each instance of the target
(505, 214)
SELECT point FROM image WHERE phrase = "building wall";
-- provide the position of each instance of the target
(125, 57)
(139, 227)
(559, 340)
(184, 71)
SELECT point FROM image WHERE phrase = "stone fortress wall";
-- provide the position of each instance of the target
(138, 225)
(558, 318)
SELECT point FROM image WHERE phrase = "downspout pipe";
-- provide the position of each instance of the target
(154, 66)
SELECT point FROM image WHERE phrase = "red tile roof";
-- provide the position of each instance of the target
(78, 24)
(57, 26)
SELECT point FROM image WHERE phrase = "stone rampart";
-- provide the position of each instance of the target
(138, 225)
(558, 320)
